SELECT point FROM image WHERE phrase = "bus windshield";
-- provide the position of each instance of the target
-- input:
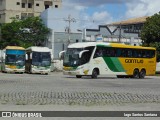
(41, 59)
(71, 57)
(18, 60)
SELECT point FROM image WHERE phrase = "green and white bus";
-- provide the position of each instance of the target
(100, 58)
(13, 59)
(38, 60)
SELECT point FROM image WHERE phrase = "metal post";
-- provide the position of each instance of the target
(69, 20)
(52, 39)
(120, 33)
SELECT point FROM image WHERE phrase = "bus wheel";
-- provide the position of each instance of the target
(78, 76)
(136, 73)
(94, 73)
(142, 74)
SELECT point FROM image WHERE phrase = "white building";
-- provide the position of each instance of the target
(127, 31)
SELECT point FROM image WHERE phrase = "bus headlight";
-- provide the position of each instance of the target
(6, 66)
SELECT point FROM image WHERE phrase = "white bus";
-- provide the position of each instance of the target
(38, 60)
(100, 58)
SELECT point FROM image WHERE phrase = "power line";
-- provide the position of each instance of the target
(76, 19)
(68, 29)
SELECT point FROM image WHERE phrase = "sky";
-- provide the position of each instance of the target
(91, 13)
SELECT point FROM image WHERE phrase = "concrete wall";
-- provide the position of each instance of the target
(58, 41)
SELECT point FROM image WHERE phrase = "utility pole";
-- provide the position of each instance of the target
(68, 29)
(120, 33)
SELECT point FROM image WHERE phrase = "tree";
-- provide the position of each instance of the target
(151, 30)
(150, 33)
(28, 32)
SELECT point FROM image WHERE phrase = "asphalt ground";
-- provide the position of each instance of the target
(56, 92)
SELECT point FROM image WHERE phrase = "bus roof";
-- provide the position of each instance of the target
(15, 48)
(39, 49)
(119, 45)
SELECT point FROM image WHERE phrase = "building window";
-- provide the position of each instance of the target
(46, 6)
(37, 4)
(29, 5)
(18, 3)
(23, 16)
(56, 6)
(17, 16)
(23, 5)
(88, 35)
(30, 15)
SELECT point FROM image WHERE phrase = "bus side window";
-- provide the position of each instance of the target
(106, 52)
(147, 54)
(98, 52)
(144, 54)
(135, 54)
(152, 53)
(118, 52)
(123, 53)
(139, 54)
(112, 52)
(129, 52)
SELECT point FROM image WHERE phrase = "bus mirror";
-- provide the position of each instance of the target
(51, 57)
(4, 56)
(26, 57)
(80, 54)
(31, 56)
(61, 54)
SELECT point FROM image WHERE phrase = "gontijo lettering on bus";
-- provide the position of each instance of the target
(133, 61)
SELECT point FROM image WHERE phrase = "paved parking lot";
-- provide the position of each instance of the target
(104, 93)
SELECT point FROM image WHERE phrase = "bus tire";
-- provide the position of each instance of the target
(78, 76)
(94, 73)
(142, 73)
(136, 73)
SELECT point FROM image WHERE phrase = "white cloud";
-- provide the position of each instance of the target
(77, 9)
(80, 8)
(56, 17)
(98, 16)
(96, 19)
(98, 2)
(142, 8)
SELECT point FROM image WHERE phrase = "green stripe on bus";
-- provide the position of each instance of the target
(114, 64)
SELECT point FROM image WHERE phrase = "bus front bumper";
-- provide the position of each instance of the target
(41, 71)
(74, 72)
(14, 70)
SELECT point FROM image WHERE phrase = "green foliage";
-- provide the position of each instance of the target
(150, 33)
(28, 32)
(151, 30)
